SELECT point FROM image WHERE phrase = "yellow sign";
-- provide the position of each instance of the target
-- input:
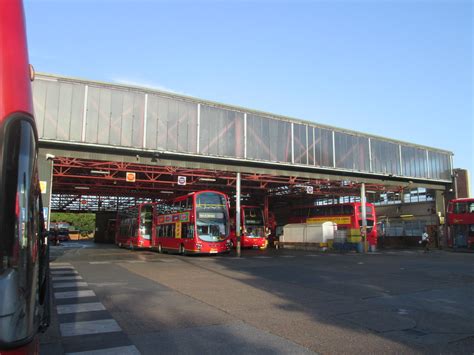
(178, 230)
(337, 220)
(43, 186)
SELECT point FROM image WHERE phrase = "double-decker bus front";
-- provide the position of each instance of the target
(211, 222)
(371, 221)
(135, 226)
(253, 228)
(460, 216)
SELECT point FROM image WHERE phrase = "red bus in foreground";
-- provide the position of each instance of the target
(24, 257)
(134, 226)
(254, 228)
(197, 223)
(460, 215)
(347, 216)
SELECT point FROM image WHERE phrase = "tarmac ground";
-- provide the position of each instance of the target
(115, 301)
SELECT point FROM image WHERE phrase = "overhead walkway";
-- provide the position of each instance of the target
(102, 121)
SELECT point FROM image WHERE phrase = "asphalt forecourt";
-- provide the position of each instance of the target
(283, 301)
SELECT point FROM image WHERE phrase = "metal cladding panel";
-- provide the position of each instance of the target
(323, 147)
(280, 140)
(137, 119)
(311, 145)
(127, 120)
(51, 112)
(300, 143)
(414, 162)
(352, 152)
(439, 165)
(171, 124)
(103, 124)
(385, 157)
(77, 112)
(268, 139)
(92, 117)
(116, 108)
(39, 102)
(221, 132)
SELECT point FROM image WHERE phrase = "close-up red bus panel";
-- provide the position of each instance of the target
(24, 257)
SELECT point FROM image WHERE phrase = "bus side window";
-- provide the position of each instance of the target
(471, 207)
(460, 207)
(184, 230)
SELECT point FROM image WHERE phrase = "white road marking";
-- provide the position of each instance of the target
(99, 262)
(287, 256)
(89, 327)
(66, 278)
(80, 308)
(59, 268)
(262, 257)
(122, 350)
(59, 264)
(70, 284)
(74, 294)
(135, 261)
(313, 255)
(57, 272)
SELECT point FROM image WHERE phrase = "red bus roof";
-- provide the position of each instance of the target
(15, 86)
(464, 199)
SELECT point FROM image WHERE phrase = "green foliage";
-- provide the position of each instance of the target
(78, 221)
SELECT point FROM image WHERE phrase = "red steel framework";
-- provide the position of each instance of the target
(86, 181)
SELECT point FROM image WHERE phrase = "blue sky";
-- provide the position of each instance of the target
(400, 69)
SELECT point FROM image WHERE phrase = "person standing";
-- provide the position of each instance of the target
(425, 241)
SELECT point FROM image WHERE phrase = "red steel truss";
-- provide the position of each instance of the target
(81, 177)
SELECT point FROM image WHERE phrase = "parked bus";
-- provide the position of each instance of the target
(134, 226)
(24, 257)
(460, 217)
(254, 228)
(197, 223)
(347, 216)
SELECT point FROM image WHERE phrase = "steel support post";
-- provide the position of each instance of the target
(237, 213)
(364, 216)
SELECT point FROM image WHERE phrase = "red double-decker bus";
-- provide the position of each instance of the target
(24, 257)
(347, 216)
(134, 226)
(197, 223)
(254, 228)
(460, 216)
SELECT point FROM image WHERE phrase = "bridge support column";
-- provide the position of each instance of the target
(237, 214)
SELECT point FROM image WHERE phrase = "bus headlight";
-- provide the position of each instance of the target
(199, 245)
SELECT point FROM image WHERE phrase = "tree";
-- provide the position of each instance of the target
(80, 221)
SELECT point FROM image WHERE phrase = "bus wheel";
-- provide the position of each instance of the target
(119, 245)
(182, 251)
(160, 249)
